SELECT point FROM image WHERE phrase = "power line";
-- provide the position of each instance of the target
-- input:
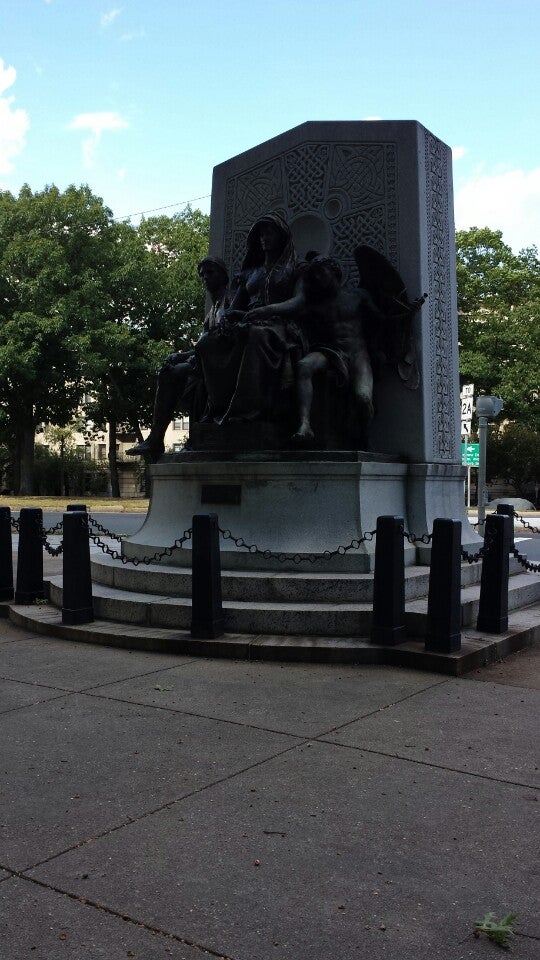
(180, 203)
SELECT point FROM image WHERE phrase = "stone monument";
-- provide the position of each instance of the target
(338, 186)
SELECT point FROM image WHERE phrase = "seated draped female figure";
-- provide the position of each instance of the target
(249, 359)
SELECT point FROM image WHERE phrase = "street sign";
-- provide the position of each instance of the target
(470, 454)
(467, 403)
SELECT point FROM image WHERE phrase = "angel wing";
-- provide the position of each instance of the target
(392, 340)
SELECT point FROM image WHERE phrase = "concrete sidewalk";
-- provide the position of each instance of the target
(168, 807)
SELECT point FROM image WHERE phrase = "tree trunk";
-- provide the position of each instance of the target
(25, 446)
(63, 490)
(113, 463)
(147, 480)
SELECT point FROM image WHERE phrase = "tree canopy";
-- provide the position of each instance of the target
(88, 309)
(499, 321)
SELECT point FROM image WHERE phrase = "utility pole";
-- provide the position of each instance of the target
(487, 408)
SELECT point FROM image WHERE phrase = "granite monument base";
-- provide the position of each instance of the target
(292, 506)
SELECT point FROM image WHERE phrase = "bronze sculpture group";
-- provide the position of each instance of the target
(286, 330)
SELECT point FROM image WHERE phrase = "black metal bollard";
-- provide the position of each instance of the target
(493, 609)
(207, 620)
(388, 622)
(444, 600)
(507, 510)
(77, 604)
(30, 584)
(6, 555)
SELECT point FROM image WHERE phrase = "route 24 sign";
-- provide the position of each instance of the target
(467, 405)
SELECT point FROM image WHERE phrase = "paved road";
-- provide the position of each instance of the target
(117, 523)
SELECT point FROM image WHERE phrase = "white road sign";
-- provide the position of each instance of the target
(467, 403)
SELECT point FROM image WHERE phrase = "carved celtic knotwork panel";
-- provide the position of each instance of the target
(439, 301)
(350, 187)
(306, 169)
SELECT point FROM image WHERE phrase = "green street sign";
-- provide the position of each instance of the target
(470, 454)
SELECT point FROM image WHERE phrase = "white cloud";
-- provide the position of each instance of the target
(120, 173)
(458, 152)
(507, 201)
(7, 76)
(372, 118)
(134, 35)
(110, 16)
(96, 123)
(14, 123)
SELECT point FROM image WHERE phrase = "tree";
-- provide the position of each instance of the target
(514, 456)
(89, 308)
(499, 321)
(153, 303)
(52, 264)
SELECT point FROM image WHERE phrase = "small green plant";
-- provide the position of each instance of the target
(496, 930)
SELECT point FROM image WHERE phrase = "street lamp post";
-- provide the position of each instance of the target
(487, 408)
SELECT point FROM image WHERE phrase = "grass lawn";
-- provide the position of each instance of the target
(93, 504)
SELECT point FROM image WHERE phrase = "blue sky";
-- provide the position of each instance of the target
(141, 98)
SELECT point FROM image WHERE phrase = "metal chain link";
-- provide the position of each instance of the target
(155, 558)
(56, 529)
(14, 523)
(52, 551)
(515, 516)
(298, 558)
(526, 564)
(472, 557)
(423, 538)
(101, 529)
(525, 523)
(489, 540)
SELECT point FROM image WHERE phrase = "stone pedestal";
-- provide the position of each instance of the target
(291, 507)
(338, 184)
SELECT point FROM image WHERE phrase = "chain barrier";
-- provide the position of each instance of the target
(515, 516)
(525, 523)
(58, 528)
(412, 538)
(489, 539)
(472, 557)
(52, 551)
(101, 529)
(526, 564)
(136, 561)
(298, 558)
(252, 548)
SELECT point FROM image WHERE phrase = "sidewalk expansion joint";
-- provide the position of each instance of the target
(197, 716)
(425, 763)
(138, 676)
(35, 703)
(164, 806)
(36, 683)
(94, 904)
(387, 706)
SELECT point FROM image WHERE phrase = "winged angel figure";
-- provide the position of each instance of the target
(354, 333)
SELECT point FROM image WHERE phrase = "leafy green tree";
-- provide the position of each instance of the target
(153, 303)
(89, 308)
(499, 321)
(514, 456)
(52, 265)
(177, 244)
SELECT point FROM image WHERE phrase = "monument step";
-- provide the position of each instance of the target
(477, 649)
(305, 586)
(283, 617)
